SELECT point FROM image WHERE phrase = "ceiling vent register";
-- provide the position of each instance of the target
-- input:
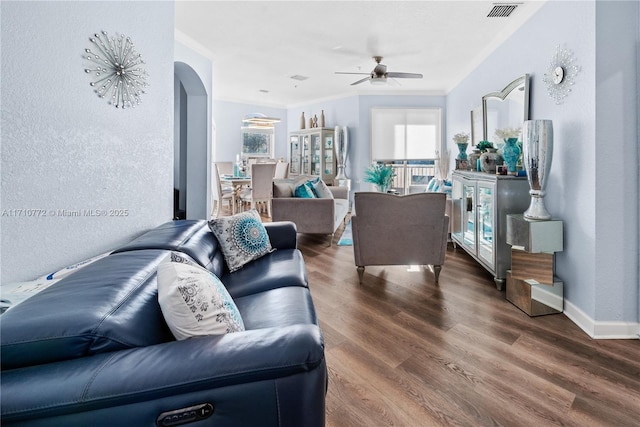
(501, 10)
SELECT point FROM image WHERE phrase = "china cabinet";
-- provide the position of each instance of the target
(481, 202)
(311, 152)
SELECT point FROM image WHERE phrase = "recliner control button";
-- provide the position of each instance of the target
(182, 416)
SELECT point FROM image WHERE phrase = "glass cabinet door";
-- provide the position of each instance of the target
(294, 155)
(486, 222)
(315, 154)
(306, 155)
(456, 208)
(328, 161)
(469, 215)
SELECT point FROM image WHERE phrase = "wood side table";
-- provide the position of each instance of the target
(531, 283)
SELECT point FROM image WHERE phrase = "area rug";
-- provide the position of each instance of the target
(346, 239)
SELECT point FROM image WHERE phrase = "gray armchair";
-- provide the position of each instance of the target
(399, 230)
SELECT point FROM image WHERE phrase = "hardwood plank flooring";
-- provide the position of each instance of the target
(403, 351)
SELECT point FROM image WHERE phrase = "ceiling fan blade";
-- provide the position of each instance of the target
(393, 82)
(404, 75)
(346, 72)
(361, 81)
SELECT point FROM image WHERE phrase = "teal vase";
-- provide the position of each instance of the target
(511, 153)
(462, 147)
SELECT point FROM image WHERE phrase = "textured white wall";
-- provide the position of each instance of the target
(63, 148)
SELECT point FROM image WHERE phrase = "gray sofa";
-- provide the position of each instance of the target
(311, 216)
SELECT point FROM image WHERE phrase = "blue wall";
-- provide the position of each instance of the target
(593, 183)
(228, 117)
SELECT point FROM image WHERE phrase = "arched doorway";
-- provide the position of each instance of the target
(191, 156)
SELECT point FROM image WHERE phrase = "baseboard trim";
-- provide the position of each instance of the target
(601, 330)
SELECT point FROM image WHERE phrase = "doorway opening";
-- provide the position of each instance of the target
(191, 157)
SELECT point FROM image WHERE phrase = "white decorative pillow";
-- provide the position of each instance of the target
(194, 301)
(182, 258)
(321, 190)
(242, 238)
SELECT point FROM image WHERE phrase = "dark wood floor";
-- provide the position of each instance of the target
(404, 351)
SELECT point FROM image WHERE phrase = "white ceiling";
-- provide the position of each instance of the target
(257, 46)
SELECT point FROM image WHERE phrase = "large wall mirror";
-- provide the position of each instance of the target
(508, 108)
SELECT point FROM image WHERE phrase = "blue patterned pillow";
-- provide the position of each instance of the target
(194, 301)
(242, 238)
(304, 191)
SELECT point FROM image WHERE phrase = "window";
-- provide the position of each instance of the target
(409, 139)
(257, 142)
(405, 133)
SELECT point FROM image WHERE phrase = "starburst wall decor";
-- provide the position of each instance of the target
(118, 69)
(560, 75)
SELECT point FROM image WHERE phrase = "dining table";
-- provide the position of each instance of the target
(238, 183)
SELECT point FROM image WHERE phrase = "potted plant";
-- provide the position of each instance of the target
(483, 146)
(380, 175)
(461, 139)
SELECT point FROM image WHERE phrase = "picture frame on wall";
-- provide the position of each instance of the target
(476, 126)
(257, 142)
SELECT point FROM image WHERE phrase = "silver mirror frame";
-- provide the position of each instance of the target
(502, 95)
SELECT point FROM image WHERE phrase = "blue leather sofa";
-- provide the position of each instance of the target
(94, 349)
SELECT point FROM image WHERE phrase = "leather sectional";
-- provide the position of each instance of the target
(94, 349)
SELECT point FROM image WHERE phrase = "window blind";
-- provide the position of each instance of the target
(405, 133)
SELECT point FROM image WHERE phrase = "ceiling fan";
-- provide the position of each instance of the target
(379, 74)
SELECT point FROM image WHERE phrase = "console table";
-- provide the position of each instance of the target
(480, 205)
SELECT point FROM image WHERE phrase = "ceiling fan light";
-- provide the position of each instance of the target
(378, 80)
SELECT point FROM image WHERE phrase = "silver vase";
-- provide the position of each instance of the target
(342, 145)
(537, 144)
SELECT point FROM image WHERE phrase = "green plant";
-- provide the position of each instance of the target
(484, 145)
(380, 175)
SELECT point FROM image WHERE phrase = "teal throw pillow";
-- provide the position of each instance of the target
(433, 185)
(242, 238)
(304, 191)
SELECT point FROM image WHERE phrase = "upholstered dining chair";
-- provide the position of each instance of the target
(225, 168)
(399, 230)
(282, 170)
(220, 195)
(261, 190)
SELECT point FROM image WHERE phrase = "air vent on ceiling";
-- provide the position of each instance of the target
(299, 77)
(501, 10)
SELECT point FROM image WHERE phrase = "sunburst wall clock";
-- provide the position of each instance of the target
(119, 71)
(560, 75)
